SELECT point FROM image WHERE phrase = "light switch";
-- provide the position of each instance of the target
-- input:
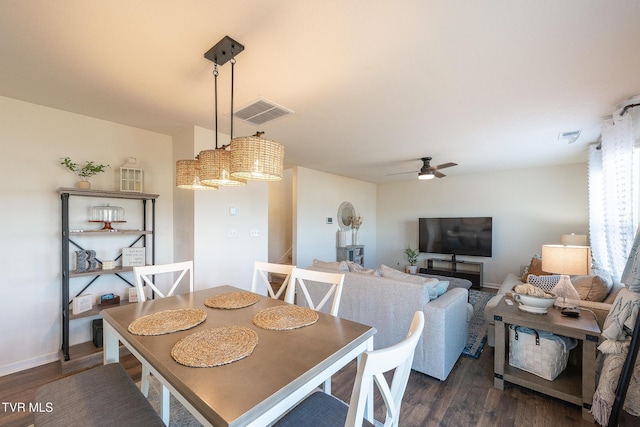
(233, 211)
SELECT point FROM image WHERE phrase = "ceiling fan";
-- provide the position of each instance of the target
(427, 171)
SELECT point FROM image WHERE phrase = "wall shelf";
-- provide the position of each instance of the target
(144, 237)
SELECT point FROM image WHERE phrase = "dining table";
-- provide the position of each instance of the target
(256, 390)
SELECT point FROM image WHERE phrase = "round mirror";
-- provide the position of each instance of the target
(346, 212)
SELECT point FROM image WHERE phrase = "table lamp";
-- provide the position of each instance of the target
(566, 260)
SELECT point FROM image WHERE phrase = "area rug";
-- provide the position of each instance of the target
(179, 416)
(477, 326)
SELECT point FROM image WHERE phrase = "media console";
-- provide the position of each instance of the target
(469, 270)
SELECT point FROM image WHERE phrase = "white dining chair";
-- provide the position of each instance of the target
(299, 278)
(304, 279)
(261, 278)
(145, 276)
(321, 409)
(148, 276)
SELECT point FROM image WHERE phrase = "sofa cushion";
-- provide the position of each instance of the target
(535, 268)
(354, 267)
(546, 283)
(590, 288)
(335, 265)
(394, 274)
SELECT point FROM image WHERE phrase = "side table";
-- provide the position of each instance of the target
(577, 383)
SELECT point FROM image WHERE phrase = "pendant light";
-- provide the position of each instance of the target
(215, 166)
(253, 157)
(256, 158)
(188, 176)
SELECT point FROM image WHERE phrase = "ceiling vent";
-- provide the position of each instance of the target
(570, 137)
(261, 112)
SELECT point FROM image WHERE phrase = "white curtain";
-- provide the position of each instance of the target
(613, 198)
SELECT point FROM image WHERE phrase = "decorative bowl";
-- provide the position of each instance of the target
(537, 305)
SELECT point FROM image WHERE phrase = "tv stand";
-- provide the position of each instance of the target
(471, 271)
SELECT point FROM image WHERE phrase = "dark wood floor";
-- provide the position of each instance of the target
(466, 398)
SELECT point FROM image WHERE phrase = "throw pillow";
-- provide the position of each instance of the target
(335, 265)
(431, 286)
(442, 287)
(392, 273)
(598, 270)
(590, 288)
(546, 283)
(535, 268)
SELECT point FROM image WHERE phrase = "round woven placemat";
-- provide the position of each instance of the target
(232, 300)
(168, 321)
(285, 317)
(215, 346)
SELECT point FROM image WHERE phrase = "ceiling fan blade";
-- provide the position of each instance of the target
(438, 174)
(401, 173)
(444, 165)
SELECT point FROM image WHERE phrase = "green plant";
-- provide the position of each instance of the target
(88, 170)
(412, 255)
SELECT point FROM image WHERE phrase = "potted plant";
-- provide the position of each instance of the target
(85, 172)
(412, 257)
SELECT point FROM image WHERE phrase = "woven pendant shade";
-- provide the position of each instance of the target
(187, 176)
(215, 168)
(256, 158)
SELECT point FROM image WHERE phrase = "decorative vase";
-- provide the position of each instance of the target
(354, 236)
(84, 185)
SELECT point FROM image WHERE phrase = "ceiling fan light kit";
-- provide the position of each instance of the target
(429, 172)
(425, 175)
(247, 158)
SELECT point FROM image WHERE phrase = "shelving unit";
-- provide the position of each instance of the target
(144, 237)
(353, 253)
(470, 270)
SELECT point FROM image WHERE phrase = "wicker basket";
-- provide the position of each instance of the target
(538, 352)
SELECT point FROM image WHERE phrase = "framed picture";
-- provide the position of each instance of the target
(133, 257)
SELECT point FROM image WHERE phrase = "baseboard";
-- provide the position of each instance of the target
(28, 364)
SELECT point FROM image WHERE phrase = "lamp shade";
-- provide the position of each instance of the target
(187, 176)
(255, 158)
(571, 260)
(215, 168)
(573, 239)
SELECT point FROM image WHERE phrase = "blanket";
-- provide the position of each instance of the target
(618, 327)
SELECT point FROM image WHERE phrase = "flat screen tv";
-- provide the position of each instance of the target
(456, 236)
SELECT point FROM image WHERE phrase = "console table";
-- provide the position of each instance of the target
(353, 253)
(577, 383)
(470, 270)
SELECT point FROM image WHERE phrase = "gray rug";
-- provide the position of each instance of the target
(477, 327)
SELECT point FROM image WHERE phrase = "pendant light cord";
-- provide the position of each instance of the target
(215, 75)
(233, 63)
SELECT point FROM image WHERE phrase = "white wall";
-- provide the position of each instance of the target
(280, 213)
(33, 139)
(529, 207)
(219, 259)
(317, 195)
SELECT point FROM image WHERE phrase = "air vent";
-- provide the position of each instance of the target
(570, 137)
(261, 112)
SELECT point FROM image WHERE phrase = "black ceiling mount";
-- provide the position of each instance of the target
(224, 50)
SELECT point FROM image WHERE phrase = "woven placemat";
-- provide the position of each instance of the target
(168, 321)
(215, 346)
(232, 300)
(285, 317)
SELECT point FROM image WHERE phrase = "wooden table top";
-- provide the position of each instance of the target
(236, 393)
(562, 325)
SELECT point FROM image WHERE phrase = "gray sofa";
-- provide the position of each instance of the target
(388, 305)
(600, 309)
